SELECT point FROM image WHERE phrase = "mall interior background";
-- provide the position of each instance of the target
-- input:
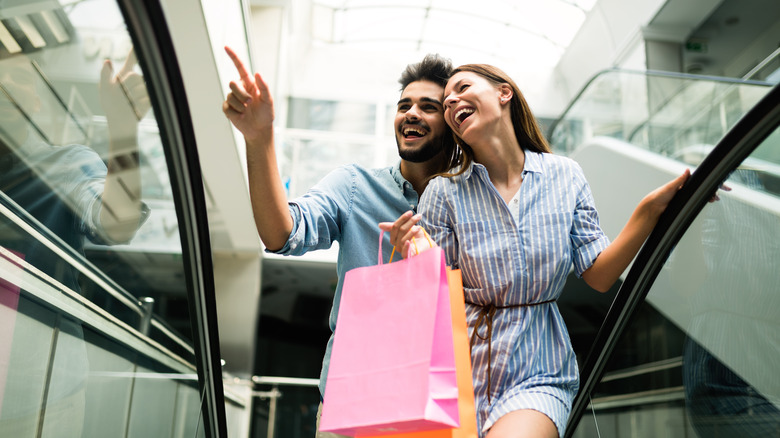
(332, 66)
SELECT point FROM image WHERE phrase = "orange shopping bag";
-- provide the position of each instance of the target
(466, 410)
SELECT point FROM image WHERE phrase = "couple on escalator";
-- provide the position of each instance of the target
(513, 217)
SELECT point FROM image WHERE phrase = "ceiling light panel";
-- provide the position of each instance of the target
(29, 30)
(356, 4)
(8, 40)
(377, 24)
(55, 26)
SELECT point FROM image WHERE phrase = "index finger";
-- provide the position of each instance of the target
(242, 71)
(408, 218)
(130, 62)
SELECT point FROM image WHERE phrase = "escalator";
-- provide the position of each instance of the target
(107, 298)
(688, 345)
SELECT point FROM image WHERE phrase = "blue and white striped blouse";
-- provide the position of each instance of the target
(514, 260)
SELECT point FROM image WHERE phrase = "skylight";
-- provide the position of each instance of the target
(514, 35)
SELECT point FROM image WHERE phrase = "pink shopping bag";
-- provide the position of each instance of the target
(392, 368)
(460, 337)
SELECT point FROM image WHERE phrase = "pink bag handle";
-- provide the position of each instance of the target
(417, 250)
(381, 235)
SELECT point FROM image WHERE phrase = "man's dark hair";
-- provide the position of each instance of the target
(433, 67)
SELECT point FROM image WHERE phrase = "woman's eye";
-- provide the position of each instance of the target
(463, 87)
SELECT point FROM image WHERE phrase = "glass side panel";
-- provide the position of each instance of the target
(681, 117)
(700, 357)
(93, 299)
(83, 160)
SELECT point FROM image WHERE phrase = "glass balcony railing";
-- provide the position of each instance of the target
(674, 115)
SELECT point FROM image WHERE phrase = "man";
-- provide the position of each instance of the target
(347, 204)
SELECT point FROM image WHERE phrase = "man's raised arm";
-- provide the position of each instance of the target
(250, 107)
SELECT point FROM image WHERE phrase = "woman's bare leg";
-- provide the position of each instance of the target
(524, 423)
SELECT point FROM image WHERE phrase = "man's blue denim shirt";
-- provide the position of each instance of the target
(346, 206)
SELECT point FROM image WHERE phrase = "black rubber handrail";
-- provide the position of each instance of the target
(151, 38)
(731, 151)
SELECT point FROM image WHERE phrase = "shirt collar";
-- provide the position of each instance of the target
(533, 163)
(395, 171)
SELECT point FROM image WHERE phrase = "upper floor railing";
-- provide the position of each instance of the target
(673, 114)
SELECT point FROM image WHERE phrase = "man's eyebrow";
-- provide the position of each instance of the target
(422, 99)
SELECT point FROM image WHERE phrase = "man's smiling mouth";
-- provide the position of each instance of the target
(413, 132)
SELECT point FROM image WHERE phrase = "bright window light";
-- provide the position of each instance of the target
(515, 35)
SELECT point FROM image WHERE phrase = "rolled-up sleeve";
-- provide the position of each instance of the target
(317, 215)
(587, 237)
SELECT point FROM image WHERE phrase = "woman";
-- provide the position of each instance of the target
(514, 218)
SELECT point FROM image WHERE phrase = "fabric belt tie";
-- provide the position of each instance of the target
(486, 317)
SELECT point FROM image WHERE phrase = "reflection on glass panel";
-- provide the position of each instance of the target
(81, 153)
(762, 170)
(704, 348)
(93, 299)
(327, 115)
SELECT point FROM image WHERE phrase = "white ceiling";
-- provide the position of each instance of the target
(511, 32)
(365, 44)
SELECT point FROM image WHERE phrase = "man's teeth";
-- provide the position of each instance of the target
(413, 131)
(463, 113)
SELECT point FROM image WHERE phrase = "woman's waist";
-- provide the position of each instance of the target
(507, 298)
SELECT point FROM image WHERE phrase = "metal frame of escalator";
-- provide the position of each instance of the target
(152, 40)
(737, 145)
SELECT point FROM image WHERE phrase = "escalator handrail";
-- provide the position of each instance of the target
(146, 23)
(732, 150)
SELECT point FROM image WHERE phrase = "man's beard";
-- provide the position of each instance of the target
(424, 153)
